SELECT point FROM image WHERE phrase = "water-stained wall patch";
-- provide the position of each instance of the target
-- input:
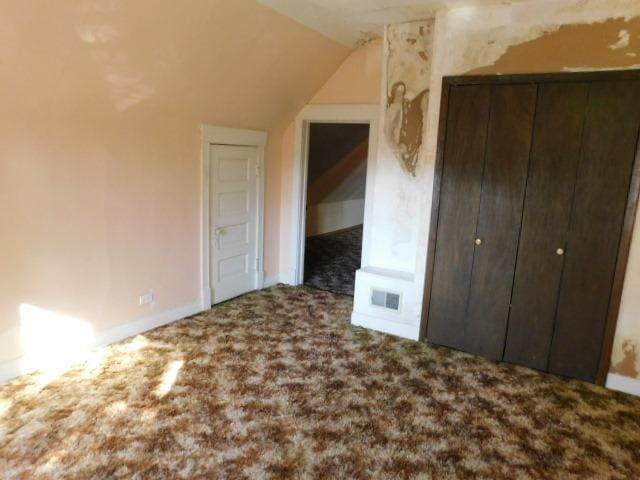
(626, 359)
(408, 75)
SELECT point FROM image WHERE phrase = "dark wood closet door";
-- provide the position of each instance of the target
(609, 147)
(499, 220)
(459, 203)
(552, 175)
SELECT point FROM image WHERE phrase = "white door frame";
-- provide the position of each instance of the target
(347, 113)
(212, 135)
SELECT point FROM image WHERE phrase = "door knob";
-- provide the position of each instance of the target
(478, 241)
(560, 251)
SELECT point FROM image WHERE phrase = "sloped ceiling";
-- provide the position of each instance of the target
(350, 22)
(227, 62)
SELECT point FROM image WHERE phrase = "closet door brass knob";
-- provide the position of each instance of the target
(478, 241)
(560, 251)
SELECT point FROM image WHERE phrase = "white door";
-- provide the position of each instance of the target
(234, 221)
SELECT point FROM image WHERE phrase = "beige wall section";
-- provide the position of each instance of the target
(102, 103)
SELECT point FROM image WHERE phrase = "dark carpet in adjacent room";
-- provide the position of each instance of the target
(331, 260)
(277, 384)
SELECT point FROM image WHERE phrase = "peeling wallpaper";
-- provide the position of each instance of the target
(614, 43)
(477, 37)
(408, 73)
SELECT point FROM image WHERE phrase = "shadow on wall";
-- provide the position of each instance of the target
(344, 180)
(331, 142)
(337, 177)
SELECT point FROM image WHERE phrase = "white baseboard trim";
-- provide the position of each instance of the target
(271, 281)
(403, 330)
(207, 298)
(623, 384)
(18, 366)
(115, 334)
(289, 277)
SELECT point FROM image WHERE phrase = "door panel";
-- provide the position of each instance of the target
(232, 266)
(602, 187)
(233, 220)
(499, 220)
(233, 202)
(459, 202)
(550, 186)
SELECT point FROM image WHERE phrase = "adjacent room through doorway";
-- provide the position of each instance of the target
(336, 180)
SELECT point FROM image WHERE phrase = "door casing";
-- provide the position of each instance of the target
(352, 113)
(214, 135)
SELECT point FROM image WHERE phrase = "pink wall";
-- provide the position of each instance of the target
(357, 80)
(102, 103)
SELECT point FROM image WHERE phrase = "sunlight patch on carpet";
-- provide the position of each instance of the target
(52, 341)
(169, 378)
(5, 405)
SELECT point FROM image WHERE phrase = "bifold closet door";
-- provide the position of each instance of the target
(484, 175)
(534, 196)
(610, 141)
(555, 154)
(459, 203)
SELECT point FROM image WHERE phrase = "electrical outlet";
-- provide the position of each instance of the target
(147, 298)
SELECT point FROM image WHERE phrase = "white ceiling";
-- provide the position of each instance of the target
(352, 21)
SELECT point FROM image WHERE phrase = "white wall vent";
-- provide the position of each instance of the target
(384, 299)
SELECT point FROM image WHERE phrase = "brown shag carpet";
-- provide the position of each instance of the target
(331, 260)
(276, 384)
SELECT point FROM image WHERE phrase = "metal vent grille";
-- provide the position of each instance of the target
(384, 299)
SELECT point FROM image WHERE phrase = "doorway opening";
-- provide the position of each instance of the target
(335, 197)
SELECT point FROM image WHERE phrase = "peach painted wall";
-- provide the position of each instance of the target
(358, 78)
(102, 102)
